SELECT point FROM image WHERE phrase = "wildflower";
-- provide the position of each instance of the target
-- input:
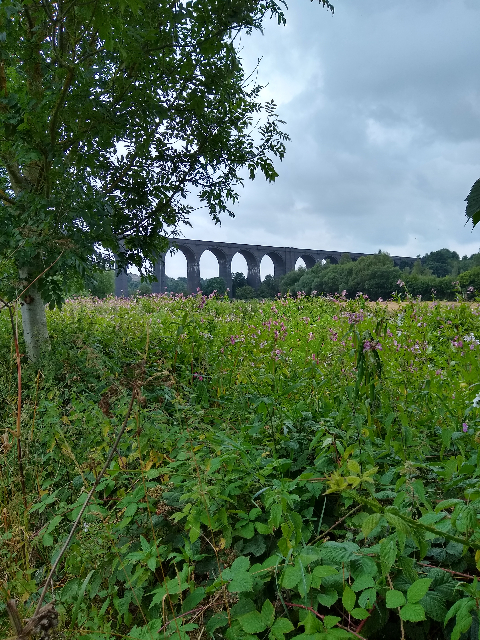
(400, 283)
(464, 427)
(310, 336)
(198, 376)
(371, 345)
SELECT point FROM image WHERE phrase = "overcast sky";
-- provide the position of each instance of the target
(382, 104)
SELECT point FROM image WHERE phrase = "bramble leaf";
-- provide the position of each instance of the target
(395, 599)
(348, 598)
(418, 589)
(412, 612)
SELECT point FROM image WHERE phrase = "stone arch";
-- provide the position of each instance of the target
(308, 259)
(193, 267)
(253, 267)
(279, 267)
(224, 260)
(333, 258)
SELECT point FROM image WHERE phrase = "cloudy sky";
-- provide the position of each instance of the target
(382, 104)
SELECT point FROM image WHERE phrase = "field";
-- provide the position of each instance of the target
(300, 468)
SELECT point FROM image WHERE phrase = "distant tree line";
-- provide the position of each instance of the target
(441, 275)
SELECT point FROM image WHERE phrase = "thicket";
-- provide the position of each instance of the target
(302, 469)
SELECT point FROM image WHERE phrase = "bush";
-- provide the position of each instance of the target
(245, 293)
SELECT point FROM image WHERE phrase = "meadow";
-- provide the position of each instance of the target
(295, 468)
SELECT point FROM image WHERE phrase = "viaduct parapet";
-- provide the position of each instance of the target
(284, 260)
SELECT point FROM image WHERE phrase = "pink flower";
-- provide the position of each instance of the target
(464, 427)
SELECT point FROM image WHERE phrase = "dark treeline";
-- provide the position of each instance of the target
(440, 275)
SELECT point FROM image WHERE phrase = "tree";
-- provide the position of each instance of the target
(442, 262)
(238, 281)
(112, 113)
(215, 284)
(245, 293)
(102, 284)
(269, 288)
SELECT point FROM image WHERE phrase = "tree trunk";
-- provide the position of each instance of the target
(34, 319)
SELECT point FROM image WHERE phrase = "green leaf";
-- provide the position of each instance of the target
(53, 523)
(367, 598)
(370, 523)
(291, 576)
(275, 515)
(397, 522)
(47, 540)
(246, 531)
(217, 621)
(252, 622)
(324, 571)
(388, 553)
(255, 622)
(412, 612)
(348, 598)
(395, 599)
(193, 599)
(328, 598)
(330, 621)
(418, 589)
(434, 606)
(131, 509)
(80, 595)
(472, 209)
(363, 582)
(359, 613)
(240, 579)
(145, 545)
(281, 626)
(462, 625)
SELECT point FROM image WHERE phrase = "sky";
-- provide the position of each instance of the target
(382, 105)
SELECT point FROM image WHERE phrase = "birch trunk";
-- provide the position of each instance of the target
(34, 320)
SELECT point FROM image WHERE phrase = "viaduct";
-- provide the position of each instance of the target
(284, 260)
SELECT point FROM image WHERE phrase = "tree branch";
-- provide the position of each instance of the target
(5, 198)
(60, 103)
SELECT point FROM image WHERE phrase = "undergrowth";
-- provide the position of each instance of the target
(291, 469)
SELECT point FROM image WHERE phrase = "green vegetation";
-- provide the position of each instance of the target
(306, 468)
(439, 275)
